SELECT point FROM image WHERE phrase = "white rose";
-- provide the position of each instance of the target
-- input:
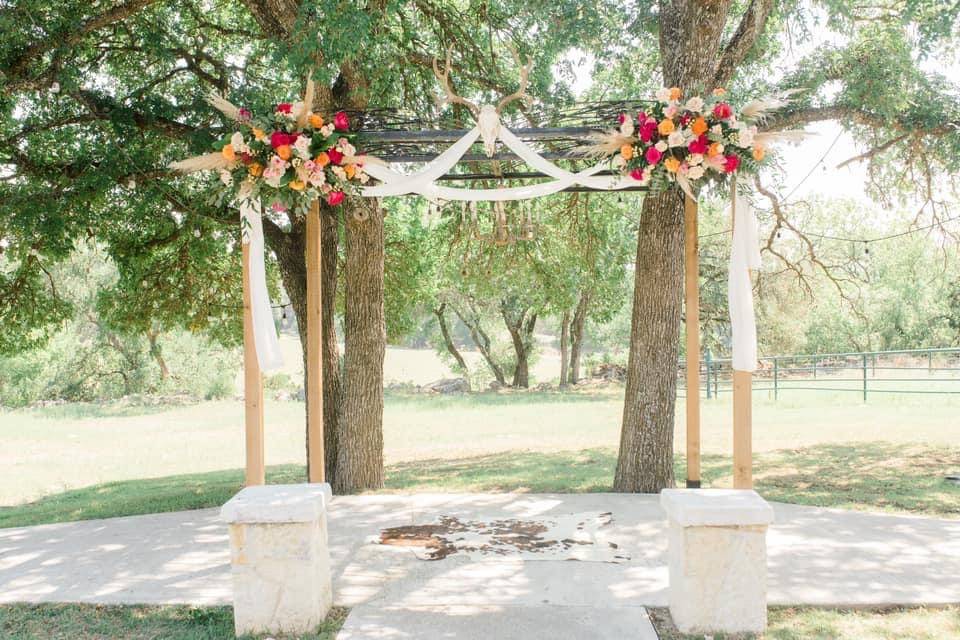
(663, 95)
(716, 130)
(694, 159)
(236, 141)
(661, 146)
(225, 177)
(626, 127)
(695, 172)
(676, 139)
(695, 104)
(302, 147)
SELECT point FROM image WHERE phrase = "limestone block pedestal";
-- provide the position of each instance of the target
(280, 559)
(718, 559)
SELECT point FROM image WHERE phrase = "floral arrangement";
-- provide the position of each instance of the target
(687, 141)
(286, 160)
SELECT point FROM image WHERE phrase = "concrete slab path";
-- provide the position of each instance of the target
(816, 556)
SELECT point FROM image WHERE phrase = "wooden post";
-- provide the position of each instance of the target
(742, 404)
(314, 390)
(691, 282)
(252, 387)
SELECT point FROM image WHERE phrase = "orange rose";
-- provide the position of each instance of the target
(284, 151)
(719, 91)
(297, 185)
(259, 134)
(672, 164)
(715, 149)
(699, 126)
(255, 169)
(229, 153)
(666, 127)
(316, 121)
(350, 170)
(758, 153)
(675, 93)
(323, 159)
(626, 151)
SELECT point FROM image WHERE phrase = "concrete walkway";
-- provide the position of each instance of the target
(816, 556)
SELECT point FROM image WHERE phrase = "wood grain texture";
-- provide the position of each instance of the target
(691, 254)
(252, 388)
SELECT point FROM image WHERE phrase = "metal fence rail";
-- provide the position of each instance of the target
(910, 371)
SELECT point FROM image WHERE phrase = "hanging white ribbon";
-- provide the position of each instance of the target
(265, 339)
(744, 256)
(424, 181)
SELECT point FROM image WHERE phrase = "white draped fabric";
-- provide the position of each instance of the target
(744, 256)
(264, 330)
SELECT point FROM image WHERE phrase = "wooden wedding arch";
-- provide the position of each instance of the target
(396, 139)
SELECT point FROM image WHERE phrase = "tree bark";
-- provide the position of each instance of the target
(332, 383)
(482, 342)
(158, 355)
(564, 347)
(359, 464)
(576, 336)
(690, 33)
(521, 327)
(440, 312)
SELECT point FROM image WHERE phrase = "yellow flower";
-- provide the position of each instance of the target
(255, 169)
(666, 127)
(626, 151)
(323, 159)
(229, 153)
(719, 91)
(259, 134)
(699, 126)
(316, 121)
(350, 170)
(758, 153)
(297, 185)
(284, 151)
(675, 93)
(672, 164)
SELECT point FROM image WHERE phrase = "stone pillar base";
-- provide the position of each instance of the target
(718, 559)
(280, 559)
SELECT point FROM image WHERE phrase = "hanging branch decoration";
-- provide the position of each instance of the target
(688, 142)
(285, 160)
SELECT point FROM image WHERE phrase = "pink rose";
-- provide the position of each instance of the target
(335, 197)
(722, 110)
(699, 144)
(731, 163)
(340, 121)
(653, 155)
(649, 130)
(279, 139)
(336, 156)
(641, 118)
(637, 174)
(284, 107)
(244, 114)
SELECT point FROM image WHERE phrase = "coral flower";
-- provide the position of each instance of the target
(297, 185)
(323, 159)
(699, 126)
(255, 169)
(722, 110)
(672, 164)
(758, 153)
(284, 151)
(666, 127)
(229, 153)
(675, 93)
(316, 121)
(340, 121)
(719, 91)
(350, 170)
(626, 151)
(334, 198)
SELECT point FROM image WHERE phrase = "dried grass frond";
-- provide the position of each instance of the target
(207, 162)
(605, 144)
(223, 105)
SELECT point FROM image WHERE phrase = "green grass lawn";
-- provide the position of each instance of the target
(95, 622)
(873, 476)
(806, 623)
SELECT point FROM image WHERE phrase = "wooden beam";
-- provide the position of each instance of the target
(691, 281)
(742, 430)
(252, 387)
(314, 392)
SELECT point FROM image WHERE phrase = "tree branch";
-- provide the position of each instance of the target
(751, 26)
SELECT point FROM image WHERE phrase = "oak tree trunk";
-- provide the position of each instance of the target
(359, 463)
(520, 325)
(482, 341)
(576, 337)
(441, 313)
(332, 384)
(690, 32)
(564, 347)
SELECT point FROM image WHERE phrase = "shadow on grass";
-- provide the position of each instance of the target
(870, 476)
(118, 409)
(139, 622)
(400, 397)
